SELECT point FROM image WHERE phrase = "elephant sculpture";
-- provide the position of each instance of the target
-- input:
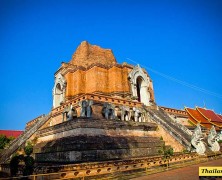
(86, 109)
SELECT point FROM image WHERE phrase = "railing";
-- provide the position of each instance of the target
(96, 97)
(174, 111)
(21, 135)
(173, 124)
(30, 123)
(22, 139)
(182, 127)
(168, 127)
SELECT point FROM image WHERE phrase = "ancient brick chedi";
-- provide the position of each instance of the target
(101, 111)
(104, 112)
(87, 55)
(93, 69)
(93, 85)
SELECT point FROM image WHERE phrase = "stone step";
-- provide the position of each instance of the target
(96, 140)
(79, 124)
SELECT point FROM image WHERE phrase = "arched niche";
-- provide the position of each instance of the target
(59, 90)
(139, 82)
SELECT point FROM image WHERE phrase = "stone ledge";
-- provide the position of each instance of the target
(83, 143)
(94, 155)
(90, 123)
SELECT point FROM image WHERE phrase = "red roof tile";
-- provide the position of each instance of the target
(220, 116)
(210, 115)
(196, 115)
(192, 120)
(11, 133)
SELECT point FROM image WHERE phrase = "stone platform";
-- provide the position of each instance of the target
(92, 140)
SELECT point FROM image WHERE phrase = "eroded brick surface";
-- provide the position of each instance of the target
(87, 54)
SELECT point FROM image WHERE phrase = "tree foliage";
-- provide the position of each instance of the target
(29, 165)
(166, 151)
(4, 141)
(28, 149)
(27, 159)
(14, 164)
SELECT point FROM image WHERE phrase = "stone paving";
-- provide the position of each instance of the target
(185, 173)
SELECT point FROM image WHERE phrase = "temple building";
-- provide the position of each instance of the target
(106, 111)
(94, 72)
(205, 117)
(190, 117)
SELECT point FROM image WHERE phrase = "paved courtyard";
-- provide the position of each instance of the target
(185, 173)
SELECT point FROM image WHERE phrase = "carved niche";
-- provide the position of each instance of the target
(139, 82)
(59, 90)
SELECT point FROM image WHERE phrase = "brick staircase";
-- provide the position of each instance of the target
(178, 131)
(16, 143)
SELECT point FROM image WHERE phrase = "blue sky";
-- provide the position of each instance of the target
(182, 39)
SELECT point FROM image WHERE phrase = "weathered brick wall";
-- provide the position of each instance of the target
(87, 54)
(97, 138)
(168, 139)
(97, 79)
(151, 91)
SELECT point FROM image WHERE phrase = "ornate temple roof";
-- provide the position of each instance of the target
(197, 116)
(205, 117)
(87, 54)
(210, 116)
(220, 116)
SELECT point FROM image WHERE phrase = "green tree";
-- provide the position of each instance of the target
(11, 138)
(29, 165)
(28, 159)
(167, 152)
(14, 164)
(28, 149)
(4, 141)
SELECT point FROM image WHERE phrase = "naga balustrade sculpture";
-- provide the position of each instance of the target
(219, 136)
(197, 140)
(212, 140)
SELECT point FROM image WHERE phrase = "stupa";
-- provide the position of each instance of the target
(102, 111)
(97, 111)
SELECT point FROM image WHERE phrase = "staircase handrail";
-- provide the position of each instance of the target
(22, 138)
(182, 127)
(174, 133)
